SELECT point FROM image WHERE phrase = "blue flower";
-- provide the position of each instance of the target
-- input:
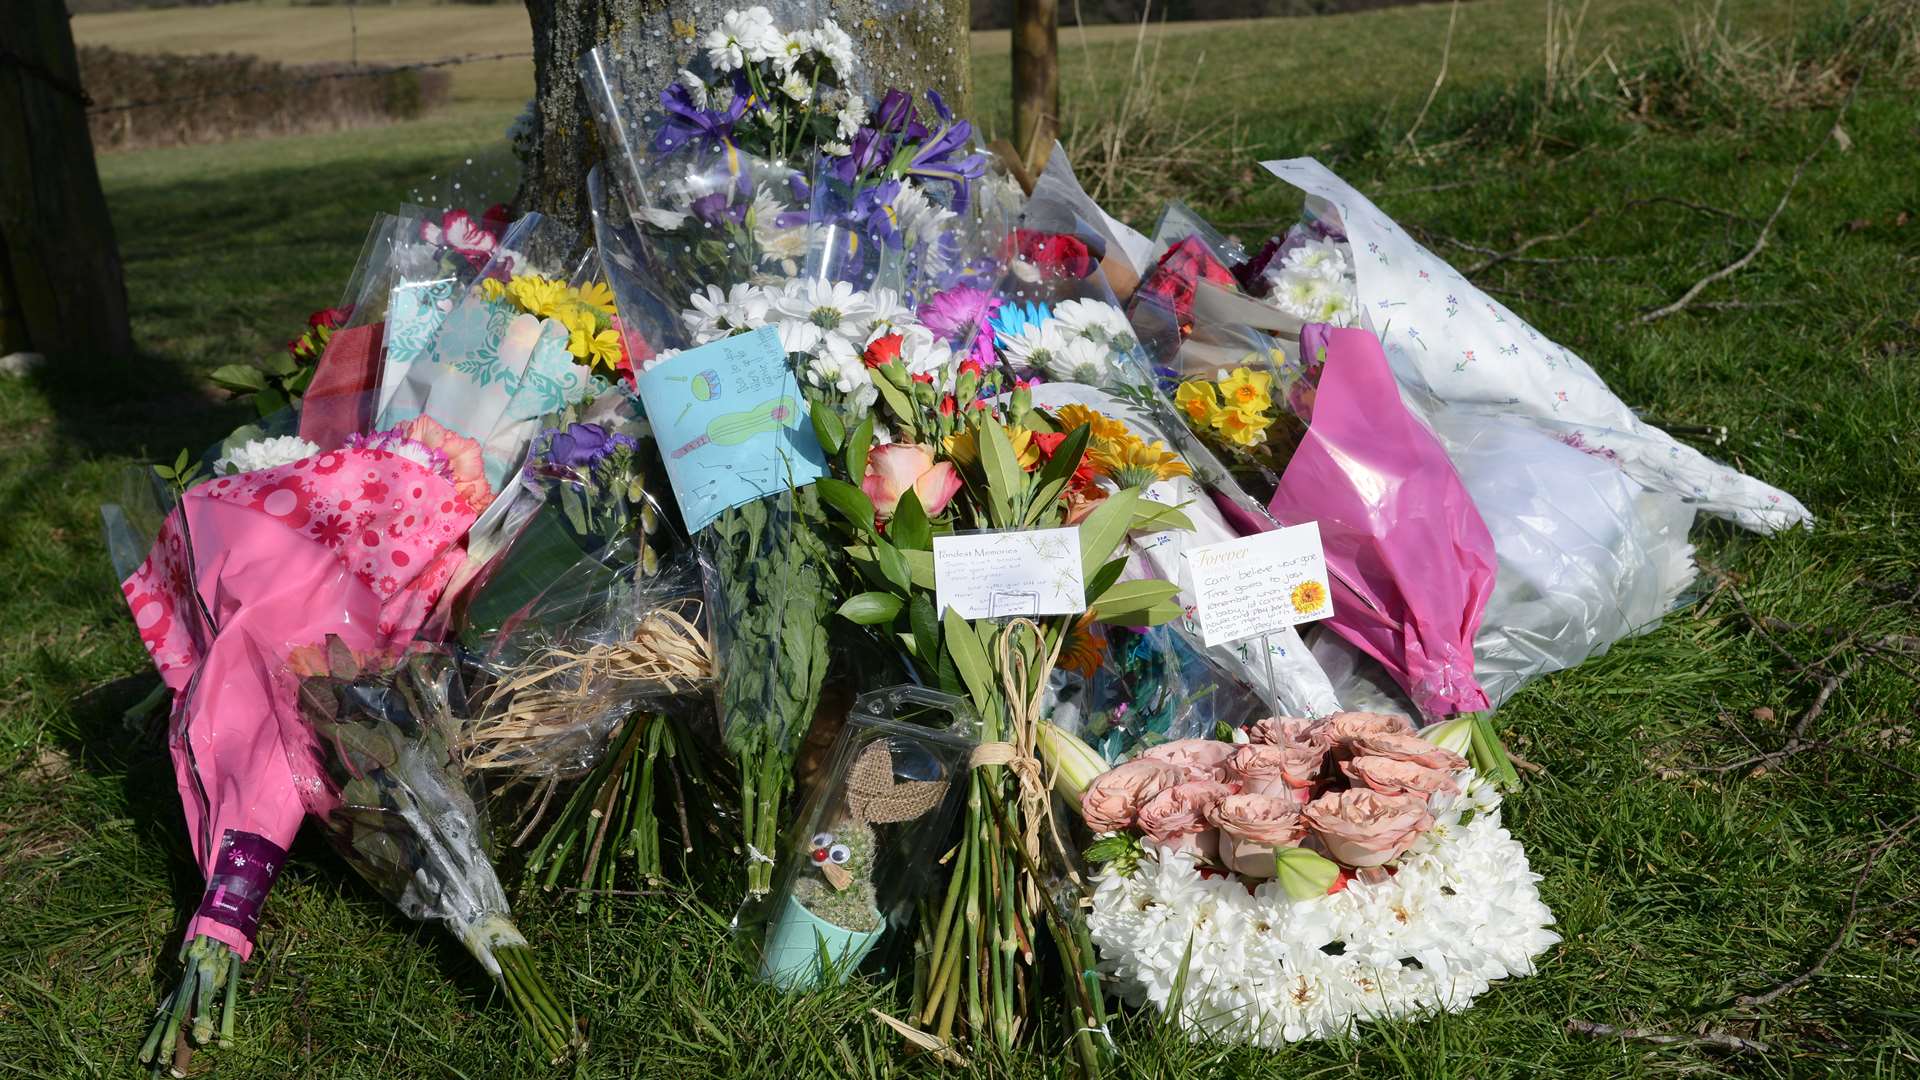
(1013, 319)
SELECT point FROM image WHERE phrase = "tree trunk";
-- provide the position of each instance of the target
(1036, 80)
(61, 288)
(914, 46)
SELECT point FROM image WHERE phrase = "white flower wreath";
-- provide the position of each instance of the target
(1460, 911)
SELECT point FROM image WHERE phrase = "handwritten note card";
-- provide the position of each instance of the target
(731, 424)
(993, 575)
(1259, 584)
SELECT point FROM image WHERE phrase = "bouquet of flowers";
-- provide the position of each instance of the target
(374, 744)
(1308, 875)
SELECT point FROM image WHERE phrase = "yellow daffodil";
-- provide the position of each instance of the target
(963, 447)
(1247, 390)
(1241, 427)
(1199, 399)
(597, 295)
(1103, 428)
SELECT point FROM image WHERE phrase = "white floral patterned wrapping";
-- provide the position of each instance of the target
(1451, 342)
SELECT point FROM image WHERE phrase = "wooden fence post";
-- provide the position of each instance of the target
(1036, 80)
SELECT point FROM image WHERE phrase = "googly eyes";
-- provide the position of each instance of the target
(822, 839)
(839, 854)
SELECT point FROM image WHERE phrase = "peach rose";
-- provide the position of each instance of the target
(895, 468)
(1177, 817)
(1361, 828)
(1344, 727)
(1391, 776)
(1411, 748)
(1278, 769)
(1251, 827)
(1280, 731)
(1203, 759)
(1113, 798)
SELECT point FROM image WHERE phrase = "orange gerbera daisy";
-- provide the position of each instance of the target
(1084, 650)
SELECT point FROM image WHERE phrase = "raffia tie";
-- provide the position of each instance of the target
(1024, 686)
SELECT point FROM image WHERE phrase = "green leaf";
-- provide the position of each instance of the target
(970, 658)
(1150, 516)
(1103, 578)
(240, 378)
(854, 454)
(1006, 483)
(1043, 498)
(909, 527)
(897, 402)
(871, 608)
(1304, 874)
(893, 565)
(279, 363)
(849, 501)
(1103, 529)
(828, 428)
(180, 463)
(1490, 754)
(1158, 615)
(1129, 598)
(926, 628)
(269, 401)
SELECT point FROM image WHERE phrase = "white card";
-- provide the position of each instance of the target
(1259, 584)
(995, 575)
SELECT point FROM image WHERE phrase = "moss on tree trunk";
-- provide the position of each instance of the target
(906, 43)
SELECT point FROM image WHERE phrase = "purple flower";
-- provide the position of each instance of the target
(687, 123)
(960, 315)
(719, 209)
(582, 446)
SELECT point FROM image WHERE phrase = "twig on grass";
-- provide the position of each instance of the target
(1787, 986)
(1526, 245)
(1446, 54)
(1796, 739)
(1766, 229)
(1709, 1037)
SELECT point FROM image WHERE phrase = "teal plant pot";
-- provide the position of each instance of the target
(797, 939)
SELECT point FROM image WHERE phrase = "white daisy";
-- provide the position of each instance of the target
(833, 43)
(840, 311)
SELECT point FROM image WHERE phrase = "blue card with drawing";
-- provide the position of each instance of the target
(730, 422)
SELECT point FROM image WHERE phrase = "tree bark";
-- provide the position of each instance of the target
(912, 45)
(62, 292)
(1036, 80)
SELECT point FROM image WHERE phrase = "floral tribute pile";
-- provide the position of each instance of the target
(824, 520)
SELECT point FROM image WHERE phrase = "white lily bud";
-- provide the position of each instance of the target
(1455, 735)
(1073, 763)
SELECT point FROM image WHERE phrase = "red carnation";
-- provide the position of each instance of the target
(882, 351)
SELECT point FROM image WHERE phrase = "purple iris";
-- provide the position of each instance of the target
(719, 209)
(687, 123)
(582, 446)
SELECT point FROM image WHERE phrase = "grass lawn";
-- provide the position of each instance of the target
(1678, 888)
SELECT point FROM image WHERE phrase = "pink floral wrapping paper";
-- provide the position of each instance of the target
(356, 543)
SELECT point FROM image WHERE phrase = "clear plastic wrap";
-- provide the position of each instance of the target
(866, 847)
(373, 746)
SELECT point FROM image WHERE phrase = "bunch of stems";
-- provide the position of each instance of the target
(978, 951)
(212, 974)
(612, 816)
(542, 1019)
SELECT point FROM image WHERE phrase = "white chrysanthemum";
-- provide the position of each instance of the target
(1460, 911)
(833, 368)
(918, 217)
(853, 114)
(836, 149)
(714, 314)
(842, 313)
(659, 358)
(833, 43)
(921, 353)
(1324, 259)
(743, 36)
(793, 47)
(264, 454)
(796, 86)
(695, 86)
(1096, 319)
(890, 315)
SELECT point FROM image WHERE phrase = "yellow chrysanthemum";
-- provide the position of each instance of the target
(596, 294)
(1241, 427)
(1103, 427)
(536, 295)
(1247, 390)
(579, 318)
(1199, 399)
(599, 351)
(493, 289)
(1132, 463)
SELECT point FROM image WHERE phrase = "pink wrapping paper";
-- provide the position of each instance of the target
(1412, 562)
(356, 543)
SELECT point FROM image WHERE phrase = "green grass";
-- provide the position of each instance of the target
(1676, 889)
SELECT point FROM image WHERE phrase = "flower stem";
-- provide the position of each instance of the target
(209, 978)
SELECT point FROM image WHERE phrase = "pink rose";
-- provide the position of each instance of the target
(1344, 727)
(1271, 767)
(1392, 776)
(894, 468)
(1177, 817)
(1361, 828)
(1114, 797)
(1411, 748)
(1251, 827)
(1204, 759)
(1281, 730)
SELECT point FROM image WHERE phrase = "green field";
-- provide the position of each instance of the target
(1680, 885)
